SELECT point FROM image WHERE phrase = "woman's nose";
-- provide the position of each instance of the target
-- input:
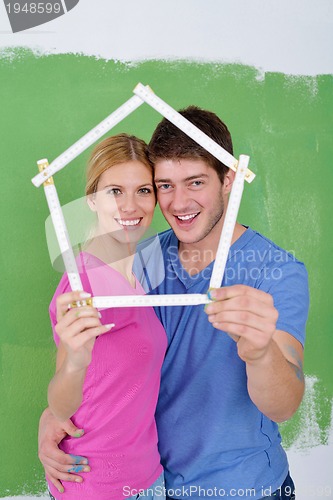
(128, 205)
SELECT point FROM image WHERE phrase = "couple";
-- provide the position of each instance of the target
(230, 370)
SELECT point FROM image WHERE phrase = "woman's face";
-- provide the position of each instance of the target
(124, 201)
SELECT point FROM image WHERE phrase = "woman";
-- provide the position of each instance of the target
(107, 377)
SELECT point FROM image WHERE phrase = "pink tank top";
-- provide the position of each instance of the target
(120, 393)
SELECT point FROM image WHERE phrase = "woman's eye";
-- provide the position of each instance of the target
(145, 191)
(113, 191)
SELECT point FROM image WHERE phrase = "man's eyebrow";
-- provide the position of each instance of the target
(162, 180)
(190, 178)
(198, 176)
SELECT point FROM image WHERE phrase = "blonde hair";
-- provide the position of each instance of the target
(112, 151)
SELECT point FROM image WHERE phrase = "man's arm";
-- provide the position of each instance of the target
(276, 381)
(273, 358)
(59, 466)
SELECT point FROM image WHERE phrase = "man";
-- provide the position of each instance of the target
(226, 381)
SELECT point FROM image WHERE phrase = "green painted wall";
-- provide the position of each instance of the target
(47, 102)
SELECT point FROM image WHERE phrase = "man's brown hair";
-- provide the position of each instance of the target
(169, 142)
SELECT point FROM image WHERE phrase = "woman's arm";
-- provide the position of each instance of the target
(77, 329)
(65, 389)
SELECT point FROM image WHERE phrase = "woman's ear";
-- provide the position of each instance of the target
(228, 180)
(91, 202)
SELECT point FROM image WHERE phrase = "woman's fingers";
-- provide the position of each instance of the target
(78, 318)
(91, 333)
(74, 314)
(64, 300)
(89, 326)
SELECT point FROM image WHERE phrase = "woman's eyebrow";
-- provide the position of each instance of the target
(119, 186)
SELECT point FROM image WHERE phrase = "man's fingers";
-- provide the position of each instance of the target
(72, 430)
(245, 319)
(244, 304)
(67, 298)
(56, 476)
(258, 337)
(78, 468)
(62, 462)
(228, 292)
(56, 483)
(51, 456)
(57, 473)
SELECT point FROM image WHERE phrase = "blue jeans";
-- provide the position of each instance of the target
(155, 492)
(285, 492)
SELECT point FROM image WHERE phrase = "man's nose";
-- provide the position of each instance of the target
(179, 201)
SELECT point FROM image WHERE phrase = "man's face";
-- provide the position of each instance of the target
(191, 198)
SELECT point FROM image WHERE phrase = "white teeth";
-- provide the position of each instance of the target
(186, 217)
(133, 222)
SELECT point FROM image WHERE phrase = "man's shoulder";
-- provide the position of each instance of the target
(167, 238)
(268, 249)
(151, 258)
(163, 239)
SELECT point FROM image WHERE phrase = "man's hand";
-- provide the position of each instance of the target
(248, 315)
(58, 465)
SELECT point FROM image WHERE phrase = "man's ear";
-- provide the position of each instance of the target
(91, 202)
(228, 180)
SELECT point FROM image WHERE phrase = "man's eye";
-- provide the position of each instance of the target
(164, 186)
(197, 183)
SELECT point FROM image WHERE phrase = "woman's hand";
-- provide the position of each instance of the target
(78, 328)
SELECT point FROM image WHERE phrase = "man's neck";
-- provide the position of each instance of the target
(195, 257)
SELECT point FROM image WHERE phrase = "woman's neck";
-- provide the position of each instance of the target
(119, 256)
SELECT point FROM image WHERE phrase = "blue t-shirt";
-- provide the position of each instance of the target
(213, 440)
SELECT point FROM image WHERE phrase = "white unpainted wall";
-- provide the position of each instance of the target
(288, 36)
